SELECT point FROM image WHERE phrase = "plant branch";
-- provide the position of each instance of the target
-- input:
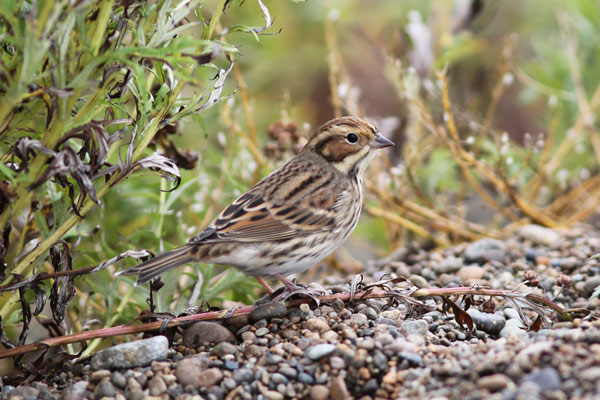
(528, 209)
(245, 311)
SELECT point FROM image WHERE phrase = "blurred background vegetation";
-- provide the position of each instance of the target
(492, 105)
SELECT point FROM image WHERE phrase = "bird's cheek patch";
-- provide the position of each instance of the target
(341, 152)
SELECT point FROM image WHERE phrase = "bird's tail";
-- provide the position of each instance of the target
(161, 263)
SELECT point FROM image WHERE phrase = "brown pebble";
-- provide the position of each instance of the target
(254, 351)
(97, 376)
(319, 392)
(204, 331)
(132, 383)
(391, 377)
(209, 377)
(169, 379)
(470, 272)
(339, 391)
(330, 336)
(289, 333)
(269, 394)
(349, 333)
(156, 386)
(189, 369)
(317, 325)
(494, 383)
(248, 336)
(158, 366)
(364, 373)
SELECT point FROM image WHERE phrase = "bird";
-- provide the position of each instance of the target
(291, 219)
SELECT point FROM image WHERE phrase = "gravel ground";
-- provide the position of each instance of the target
(371, 349)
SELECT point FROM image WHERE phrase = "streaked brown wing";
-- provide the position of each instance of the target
(252, 219)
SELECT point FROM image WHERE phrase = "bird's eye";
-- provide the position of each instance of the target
(352, 138)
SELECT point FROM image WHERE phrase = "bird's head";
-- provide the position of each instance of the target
(347, 143)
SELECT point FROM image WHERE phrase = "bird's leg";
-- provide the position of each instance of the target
(265, 285)
(288, 284)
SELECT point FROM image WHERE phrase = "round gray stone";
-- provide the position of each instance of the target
(369, 312)
(104, 389)
(485, 250)
(539, 234)
(243, 375)
(414, 328)
(591, 284)
(448, 265)
(546, 378)
(489, 323)
(268, 311)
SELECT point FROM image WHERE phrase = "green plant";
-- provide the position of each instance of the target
(92, 93)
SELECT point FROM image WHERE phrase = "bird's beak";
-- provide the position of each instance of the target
(380, 142)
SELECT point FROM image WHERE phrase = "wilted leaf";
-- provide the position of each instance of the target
(460, 315)
(255, 30)
(537, 324)
(27, 147)
(354, 285)
(66, 161)
(215, 93)
(468, 302)
(488, 306)
(63, 289)
(157, 162)
(139, 254)
(266, 15)
(3, 338)
(520, 301)
(26, 309)
(39, 289)
(96, 142)
(52, 326)
(3, 249)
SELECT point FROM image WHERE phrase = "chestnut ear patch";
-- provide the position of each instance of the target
(335, 149)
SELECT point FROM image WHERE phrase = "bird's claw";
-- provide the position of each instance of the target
(288, 291)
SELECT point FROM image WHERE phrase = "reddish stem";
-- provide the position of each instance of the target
(244, 311)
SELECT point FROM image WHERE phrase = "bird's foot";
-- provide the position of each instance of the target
(292, 289)
(288, 290)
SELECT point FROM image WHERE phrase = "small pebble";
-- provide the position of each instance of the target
(494, 383)
(319, 392)
(319, 351)
(104, 389)
(223, 349)
(260, 332)
(243, 375)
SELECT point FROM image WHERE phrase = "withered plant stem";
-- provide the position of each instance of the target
(245, 311)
